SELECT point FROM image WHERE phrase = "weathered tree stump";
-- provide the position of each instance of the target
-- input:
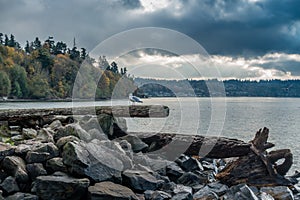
(254, 165)
(258, 167)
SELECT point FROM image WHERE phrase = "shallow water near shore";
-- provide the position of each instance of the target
(234, 117)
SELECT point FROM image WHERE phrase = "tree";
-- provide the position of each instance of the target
(19, 81)
(51, 44)
(74, 53)
(60, 48)
(83, 54)
(5, 85)
(6, 40)
(114, 67)
(37, 43)
(27, 47)
(1, 39)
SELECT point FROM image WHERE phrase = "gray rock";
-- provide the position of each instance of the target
(55, 125)
(156, 195)
(56, 164)
(6, 150)
(217, 188)
(17, 138)
(140, 180)
(72, 129)
(182, 196)
(89, 159)
(265, 196)
(45, 135)
(279, 192)
(34, 170)
(126, 146)
(29, 133)
(9, 185)
(60, 186)
(182, 189)
(188, 163)
(173, 171)
(110, 191)
(15, 166)
(22, 196)
(205, 195)
(96, 134)
(240, 192)
(41, 152)
(64, 140)
(191, 179)
(136, 143)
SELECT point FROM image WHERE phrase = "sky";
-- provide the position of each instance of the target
(246, 39)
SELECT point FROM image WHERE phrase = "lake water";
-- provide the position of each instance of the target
(229, 117)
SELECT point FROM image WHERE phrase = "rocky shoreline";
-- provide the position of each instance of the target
(76, 160)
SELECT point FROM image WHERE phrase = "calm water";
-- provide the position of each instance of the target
(231, 117)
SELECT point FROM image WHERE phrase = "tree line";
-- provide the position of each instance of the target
(48, 69)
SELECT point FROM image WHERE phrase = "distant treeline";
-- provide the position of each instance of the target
(233, 88)
(47, 70)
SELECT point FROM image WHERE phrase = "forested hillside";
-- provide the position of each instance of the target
(47, 70)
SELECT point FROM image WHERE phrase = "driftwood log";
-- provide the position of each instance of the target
(39, 117)
(254, 165)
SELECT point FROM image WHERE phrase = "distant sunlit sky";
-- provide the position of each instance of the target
(257, 39)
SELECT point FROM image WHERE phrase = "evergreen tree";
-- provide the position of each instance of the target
(1, 39)
(6, 40)
(83, 54)
(37, 43)
(5, 85)
(114, 67)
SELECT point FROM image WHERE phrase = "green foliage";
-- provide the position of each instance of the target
(49, 70)
(5, 85)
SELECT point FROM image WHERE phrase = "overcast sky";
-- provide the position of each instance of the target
(246, 38)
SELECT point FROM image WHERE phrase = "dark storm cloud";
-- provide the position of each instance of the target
(231, 28)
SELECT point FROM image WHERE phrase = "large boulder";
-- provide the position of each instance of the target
(141, 180)
(205, 195)
(72, 129)
(15, 166)
(111, 126)
(60, 186)
(56, 164)
(240, 192)
(173, 171)
(41, 152)
(188, 163)
(191, 179)
(22, 196)
(45, 135)
(156, 195)
(89, 159)
(6, 150)
(137, 144)
(35, 170)
(9, 185)
(29, 133)
(279, 192)
(110, 191)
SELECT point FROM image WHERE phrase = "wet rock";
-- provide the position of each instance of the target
(72, 129)
(278, 192)
(29, 133)
(188, 163)
(156, 195)
(56, 164)
(15, 166)
(136, 143)
(240, 192)
(89, 159)
(140, 180)
(9, 185)
(191, 179)
(45, 135)
(64, 140)
(60, 186)
(6, 150)
(36, 169)
(173, 171)
(110, 191)
(22, 196)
